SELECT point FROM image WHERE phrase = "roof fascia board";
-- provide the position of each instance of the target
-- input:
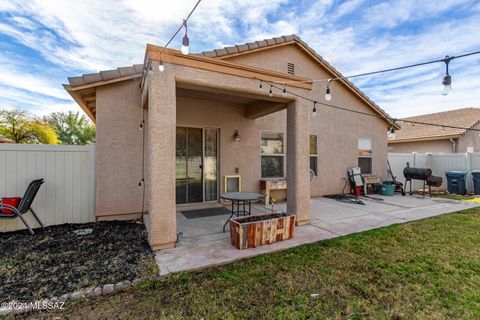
(430, 138)
(225, 67)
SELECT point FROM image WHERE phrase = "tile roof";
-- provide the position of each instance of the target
(466, 117)
(106, 75)
(137, 69)
(239, 48)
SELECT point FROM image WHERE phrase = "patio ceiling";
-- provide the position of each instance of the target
(255, 106)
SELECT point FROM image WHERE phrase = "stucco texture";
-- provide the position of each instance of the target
(338, 131)
(432, 146)
(119, 150)
(119, 142)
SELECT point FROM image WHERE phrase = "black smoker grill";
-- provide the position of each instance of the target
(423, 174)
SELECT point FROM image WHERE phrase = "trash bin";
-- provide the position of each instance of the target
(387, 189)
(476, 181)
(456, 181)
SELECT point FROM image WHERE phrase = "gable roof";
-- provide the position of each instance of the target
(252, 47)
(80, 88)
(466, 117)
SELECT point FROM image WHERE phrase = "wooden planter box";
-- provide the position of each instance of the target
(254, 231)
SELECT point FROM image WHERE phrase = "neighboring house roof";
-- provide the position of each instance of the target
(5, 140)
(86, 83)
(466, 118)
(293, 39)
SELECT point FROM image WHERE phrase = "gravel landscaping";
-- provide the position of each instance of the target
(65, 258)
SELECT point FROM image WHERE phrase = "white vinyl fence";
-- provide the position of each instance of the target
(68, 194)
(438, 162)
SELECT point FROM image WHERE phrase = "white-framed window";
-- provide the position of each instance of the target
(314, 154)
(272, 154)
(364, 155)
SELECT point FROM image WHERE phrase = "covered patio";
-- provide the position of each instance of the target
(193, 106)
(203, 244)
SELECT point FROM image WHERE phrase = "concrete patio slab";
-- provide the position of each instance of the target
(203, 245)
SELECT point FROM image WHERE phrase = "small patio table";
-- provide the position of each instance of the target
(241, 203)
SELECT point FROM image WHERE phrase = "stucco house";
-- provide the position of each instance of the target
(169, 130)
(437, 139)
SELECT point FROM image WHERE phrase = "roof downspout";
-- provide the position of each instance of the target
(454, 145)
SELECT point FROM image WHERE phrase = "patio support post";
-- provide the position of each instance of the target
(161, 158)
(298, 182)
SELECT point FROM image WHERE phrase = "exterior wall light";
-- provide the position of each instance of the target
(236, 136)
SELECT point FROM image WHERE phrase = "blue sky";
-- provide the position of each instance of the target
(43, 42)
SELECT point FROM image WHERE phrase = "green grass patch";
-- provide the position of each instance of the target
(423, 269)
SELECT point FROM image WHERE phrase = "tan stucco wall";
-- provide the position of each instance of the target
(119, 142)
(433, 146)
(119, 149)
(244, 154)
(338, 131)
(470, 139)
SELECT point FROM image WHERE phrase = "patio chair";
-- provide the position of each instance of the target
(24, 206)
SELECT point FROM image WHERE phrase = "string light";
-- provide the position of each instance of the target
(185, 41)
(447, 79)
(328, 95)
(393, 121)
(284, 90)
(446, 82)
(261, 86)
(391, 132)
(270, 93)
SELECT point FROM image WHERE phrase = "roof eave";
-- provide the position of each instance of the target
(426, 138)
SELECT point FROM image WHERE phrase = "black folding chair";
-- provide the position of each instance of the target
(24, 206)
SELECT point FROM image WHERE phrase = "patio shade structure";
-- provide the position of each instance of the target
(209, 76)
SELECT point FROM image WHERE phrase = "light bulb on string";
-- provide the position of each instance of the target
(270, 93)
(314, 111)
(185, 41)
(261, 85)
(391, 133)
(328, 95)
(447, 79)
(284, 89)
(161, 67)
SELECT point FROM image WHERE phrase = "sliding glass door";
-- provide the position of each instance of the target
(196, 165)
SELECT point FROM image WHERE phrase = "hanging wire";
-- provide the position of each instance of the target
(184, 24)
(142, 181)
(391, 120)
(446, 59)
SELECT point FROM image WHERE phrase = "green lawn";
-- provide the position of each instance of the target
(425, 269)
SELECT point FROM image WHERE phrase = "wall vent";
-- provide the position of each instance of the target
(291, 68)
